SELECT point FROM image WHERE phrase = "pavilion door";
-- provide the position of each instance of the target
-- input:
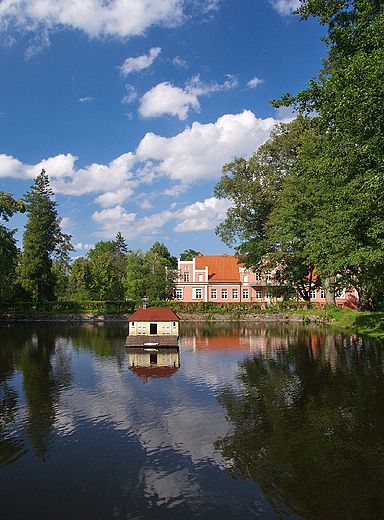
(153, 328)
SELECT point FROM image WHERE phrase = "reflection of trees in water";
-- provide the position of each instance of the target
(308, 426)
(31, 350)
(41, 353)
(103, 340)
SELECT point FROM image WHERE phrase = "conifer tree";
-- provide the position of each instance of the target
(42, 241)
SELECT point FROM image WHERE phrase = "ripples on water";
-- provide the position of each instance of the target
(252, 423)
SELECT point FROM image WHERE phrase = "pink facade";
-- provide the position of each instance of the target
(219, 278)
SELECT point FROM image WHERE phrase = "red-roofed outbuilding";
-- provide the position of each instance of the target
(153, 326)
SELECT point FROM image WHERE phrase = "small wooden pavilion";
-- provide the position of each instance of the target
(153, 326)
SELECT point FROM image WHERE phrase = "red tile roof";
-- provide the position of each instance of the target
(154, 314)
(221, 268)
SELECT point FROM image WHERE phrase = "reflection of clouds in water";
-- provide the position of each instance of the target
(169, 488)
(161, 414)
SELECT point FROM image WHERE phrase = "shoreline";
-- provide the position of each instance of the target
(92, 317)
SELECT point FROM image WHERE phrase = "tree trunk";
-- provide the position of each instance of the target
(329, 291)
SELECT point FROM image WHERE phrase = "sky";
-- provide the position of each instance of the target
(134, 106)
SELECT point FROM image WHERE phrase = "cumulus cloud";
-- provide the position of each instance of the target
(202, 215)
(110, 198)
(285, 7)
(94, 178)
(139, 63)
(199, 216)
(254, 82)
(119, 18)
(165, 98)
(200, 151)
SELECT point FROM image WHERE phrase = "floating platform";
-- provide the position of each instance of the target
(152, 341)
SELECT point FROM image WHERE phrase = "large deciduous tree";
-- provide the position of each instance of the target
(42, 241)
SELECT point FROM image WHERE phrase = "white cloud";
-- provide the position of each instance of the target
(83, 247)
(199, 216)
(167, 99)
(164, 98)
(119, 18)
(93, 178)
(139, 63)
(179, 62)
(200, 151)
(109, 218)
(202, 215)
(132, 94)
(110, 198)
(11, 167)
(254, 82)
(285, 7)
(86, 99)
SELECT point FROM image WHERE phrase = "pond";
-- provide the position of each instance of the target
(241, 421)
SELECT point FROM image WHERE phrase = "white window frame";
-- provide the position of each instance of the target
(186, 277)
(198, 293)
(177, 292)
(235, 294)
(213, 294)
(245, 294)
(259, 294)
(224, 294)
(312, 294)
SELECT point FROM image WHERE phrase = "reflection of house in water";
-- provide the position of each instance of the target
(153, 326)
(152, 342)
(150, 363)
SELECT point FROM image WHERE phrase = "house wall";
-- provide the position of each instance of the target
(164, 328)
(197, 285)
(163, 359)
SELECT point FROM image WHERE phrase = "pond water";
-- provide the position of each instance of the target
(242, 422)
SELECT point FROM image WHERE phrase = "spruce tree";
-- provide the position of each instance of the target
(42, 240)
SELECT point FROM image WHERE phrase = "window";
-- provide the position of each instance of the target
(258, 276)
(224, 294)
(245, 278)
(174, 324)
(235, 294)
(245, 294)
(198, 294)
(322, 294)
(186, 277)
(133, 324)
(312, 294)
(258, 294)
(178, 294)
(200, 277)
(340, 294)
(269, 276)
(213, 294)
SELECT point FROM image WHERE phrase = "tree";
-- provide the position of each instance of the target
(254, 188)
(42, 240)
(189, 254)
(151, 275)
(339, 171)
(8, 249)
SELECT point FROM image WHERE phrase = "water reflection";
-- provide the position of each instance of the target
(254, 422)
(148, 363)
(307, 423)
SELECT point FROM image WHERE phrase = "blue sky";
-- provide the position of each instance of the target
(133, 107)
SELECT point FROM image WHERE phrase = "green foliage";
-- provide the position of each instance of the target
(189, 254)
(42, 241)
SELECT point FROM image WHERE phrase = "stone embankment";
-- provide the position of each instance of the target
(121, 318)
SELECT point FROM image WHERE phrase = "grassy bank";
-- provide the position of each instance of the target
(369, 323)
